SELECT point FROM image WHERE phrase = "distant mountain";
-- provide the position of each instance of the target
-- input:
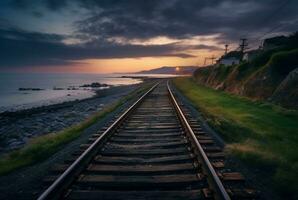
(170, 70)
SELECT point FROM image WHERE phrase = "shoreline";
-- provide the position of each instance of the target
(19, 92)
(92, 93)
(18, 127)
(40, 104)
(39, 108)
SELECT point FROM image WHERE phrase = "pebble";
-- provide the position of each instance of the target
(90, 109)
(14, 133)
(14, 144)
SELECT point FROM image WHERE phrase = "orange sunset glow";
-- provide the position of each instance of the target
(128, 65)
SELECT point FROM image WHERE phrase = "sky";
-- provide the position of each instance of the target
(107, 36)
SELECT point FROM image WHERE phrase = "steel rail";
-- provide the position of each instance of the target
(66, 178)
(220, 191)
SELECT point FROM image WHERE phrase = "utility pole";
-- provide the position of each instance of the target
(243, 45)
(212, 59)
(226, 48)
(261, 44)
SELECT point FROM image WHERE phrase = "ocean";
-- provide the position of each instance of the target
(27, 90)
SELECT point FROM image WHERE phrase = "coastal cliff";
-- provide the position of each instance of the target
(271, 76)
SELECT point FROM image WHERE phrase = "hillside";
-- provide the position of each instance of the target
(271, 76)
(170, 70)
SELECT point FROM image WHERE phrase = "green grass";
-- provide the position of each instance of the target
(263, 135)
(222, 72)
(284, 62)
(42, 147)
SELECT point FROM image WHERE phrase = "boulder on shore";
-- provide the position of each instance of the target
(31, 89)
(95, 85)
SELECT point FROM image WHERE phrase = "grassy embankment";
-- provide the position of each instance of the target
(258, 78)
(42, 147)
(263, 135)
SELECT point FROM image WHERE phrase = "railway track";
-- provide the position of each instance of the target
(154, 150)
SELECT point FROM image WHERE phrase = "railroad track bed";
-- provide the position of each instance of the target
(234, 182)
(147, 153)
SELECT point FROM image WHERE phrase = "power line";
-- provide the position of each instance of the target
(274, 29)
(273, 14)
(266, 20)
(243, 46)
(210, 58)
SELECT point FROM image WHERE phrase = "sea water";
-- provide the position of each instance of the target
(11, 98)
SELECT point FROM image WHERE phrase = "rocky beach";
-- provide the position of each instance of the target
(18, 127)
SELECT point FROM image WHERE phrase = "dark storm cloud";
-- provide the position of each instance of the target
(52, 5)
(143, 19)
(20, 35)
(56, 4)
(20, 48)
(37, 14)
(206, 47)
(185, 18)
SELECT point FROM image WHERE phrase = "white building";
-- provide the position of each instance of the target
(250, 55)
(229, 61)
